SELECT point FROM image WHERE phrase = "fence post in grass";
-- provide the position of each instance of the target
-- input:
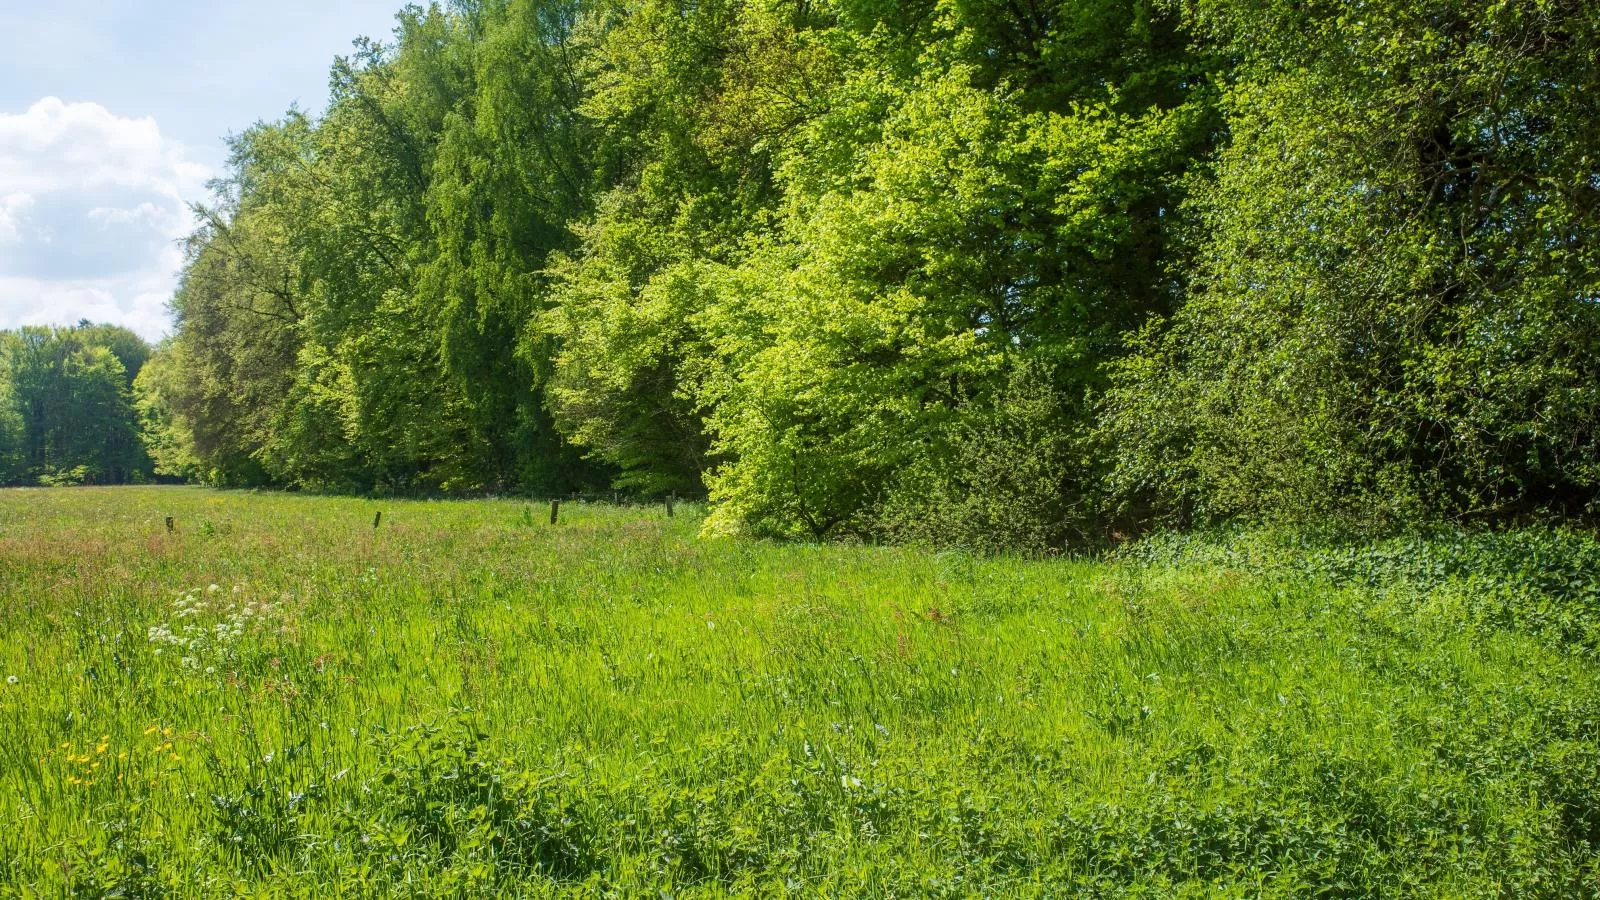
(170, 526)
(555, 511)
(377, 520)
(669, 506)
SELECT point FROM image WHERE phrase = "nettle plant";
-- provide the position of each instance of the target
(212, 629)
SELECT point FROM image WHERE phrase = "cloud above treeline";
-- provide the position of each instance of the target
(92, 209)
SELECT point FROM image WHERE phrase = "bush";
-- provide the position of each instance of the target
(1539, 580)
(1004, 477)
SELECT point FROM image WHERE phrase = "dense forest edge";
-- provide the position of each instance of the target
(992, 274)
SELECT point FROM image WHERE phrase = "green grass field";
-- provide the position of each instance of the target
(278, 699)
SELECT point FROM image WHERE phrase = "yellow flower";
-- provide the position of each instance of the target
(175, 757)
(148, 731)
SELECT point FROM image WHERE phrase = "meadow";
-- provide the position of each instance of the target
(277, 698)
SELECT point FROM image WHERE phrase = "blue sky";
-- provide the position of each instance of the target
(112, 115)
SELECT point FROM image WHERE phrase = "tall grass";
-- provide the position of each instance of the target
(468, 701)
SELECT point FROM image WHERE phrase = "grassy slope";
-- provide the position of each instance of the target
(614, 703)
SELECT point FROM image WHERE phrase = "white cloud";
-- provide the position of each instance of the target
(92, 206)
(12, 207)
(160, 217)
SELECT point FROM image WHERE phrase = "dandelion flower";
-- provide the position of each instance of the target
(12, 679)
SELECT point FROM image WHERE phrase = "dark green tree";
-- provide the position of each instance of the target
(1395, 313)
(69, 413)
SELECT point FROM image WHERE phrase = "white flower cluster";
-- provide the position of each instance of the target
(207, 623)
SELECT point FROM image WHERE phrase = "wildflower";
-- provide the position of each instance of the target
(12, 679)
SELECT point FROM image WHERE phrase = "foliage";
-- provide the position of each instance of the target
(1394, 315)
(353, 312)
(66, 406)
(1542, 581)
(1277, 263)
(1004, 479)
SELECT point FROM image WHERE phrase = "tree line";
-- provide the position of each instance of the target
(67, 412)
(995, 273)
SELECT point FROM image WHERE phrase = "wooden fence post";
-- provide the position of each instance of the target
(555, 511)
(377, 520)
(170, 526)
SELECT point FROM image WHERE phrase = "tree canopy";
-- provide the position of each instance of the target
(66, 406)
(981, 272)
